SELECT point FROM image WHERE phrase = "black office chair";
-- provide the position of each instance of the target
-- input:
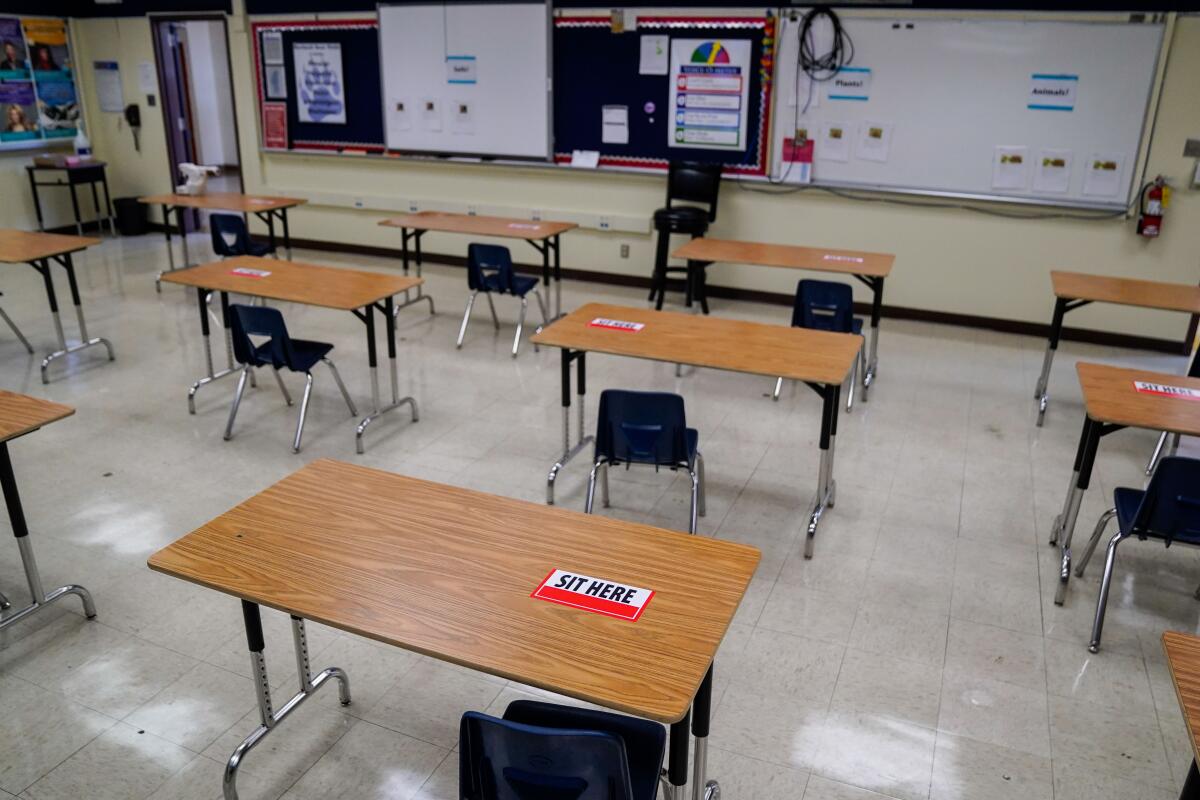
(692, 182)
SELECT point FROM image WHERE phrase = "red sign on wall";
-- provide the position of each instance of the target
(275, 126)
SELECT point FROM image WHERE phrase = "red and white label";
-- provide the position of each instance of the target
(246, 272)
(597, 595)
(849, 259)
(275, 126)
(1163, 390)
(525, 226)
(616, 324)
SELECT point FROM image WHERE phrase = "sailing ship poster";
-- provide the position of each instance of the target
(320, 88)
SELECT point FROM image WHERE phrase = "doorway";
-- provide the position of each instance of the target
(196, 81)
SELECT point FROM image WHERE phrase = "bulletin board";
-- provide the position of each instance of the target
(319, 86)
(38, 94)
(598, 72)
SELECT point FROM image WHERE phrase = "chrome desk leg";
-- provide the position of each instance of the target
(180, 218)
(702, 788)
(569, 451)
(1061, 307)
(872, 365)
(84, 342)
(38, 597)
(389, 320)
(421, 297)
(269, 718)
(202, 296)
(826, 486)
(1082, 475)
(1157, 454)
(674, 778)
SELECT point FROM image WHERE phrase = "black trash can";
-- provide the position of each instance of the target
(131, 216)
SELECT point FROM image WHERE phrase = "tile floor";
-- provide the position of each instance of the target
(919, 655)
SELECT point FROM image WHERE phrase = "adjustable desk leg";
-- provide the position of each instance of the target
(43, 266)
(166, 214)
(420, 297)
(202, 300)
(389, 321)
(16, 515)
(1085, 459)
(269, 718)
(826, 486)
(869, 373)
(37, 203)
(569, 452)
(558, 308)
(75, 207)
(1060, 308)
(677, 759)
(702, 789)
(112, 222)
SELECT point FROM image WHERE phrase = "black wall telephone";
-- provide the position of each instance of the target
(133, 116)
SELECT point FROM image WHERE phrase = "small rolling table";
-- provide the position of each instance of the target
(449, 573)
(869, 268)
(84, 172)
(1074, 290)
(19, 415)
(266, 209)
(359, 292)
(822, 360)
(543, 236)
(1112, 402)
(38, 250)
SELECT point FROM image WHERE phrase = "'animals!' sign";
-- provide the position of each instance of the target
(597, 595)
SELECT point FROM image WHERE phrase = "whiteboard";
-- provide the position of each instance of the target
(952, 105)
(467, 78)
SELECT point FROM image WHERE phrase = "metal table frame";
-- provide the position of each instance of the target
(267, 215)
(42, 265)
(366, 315)
(826, 494)
(83, 173)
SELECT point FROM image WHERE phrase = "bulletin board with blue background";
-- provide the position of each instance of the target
(622, 95)
(37, 82)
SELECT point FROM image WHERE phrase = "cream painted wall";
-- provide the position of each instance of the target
(947, 260)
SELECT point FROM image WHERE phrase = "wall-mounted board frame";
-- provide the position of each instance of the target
(39, 96)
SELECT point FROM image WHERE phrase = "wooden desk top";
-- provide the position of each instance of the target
(224, 201)
(1110, 396)
(480, 226)
(20, 414)
(851, 262)
(1126, 291)
(295, 282)
(448, 572)
(1183, 660)
(18, 247)
(749, 347)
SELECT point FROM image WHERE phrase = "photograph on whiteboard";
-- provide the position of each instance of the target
(320, 86)
(20, 111)
(12, 50)
(275, 78)
(1010, 168)
(710, 91)
(874, 141)
(1103, 175)
(1052, 172)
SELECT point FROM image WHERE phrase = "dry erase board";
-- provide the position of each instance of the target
(318, 85)
(672, 88)
(467, 78)
(1033, 111)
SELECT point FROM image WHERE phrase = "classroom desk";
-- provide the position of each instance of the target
(38, 250)
(448, 573)
(265, 208)
(1074, 290)
(1112, 402)
(1183, 660)
(19, 415)
(820, 359)
(869, 268)
(359, 292)
(82, 173)
(543, 236)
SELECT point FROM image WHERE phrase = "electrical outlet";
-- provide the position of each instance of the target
(358, 202)
(472, 211)
(624, 251)
(1191, 148)
(536, 215)
(413, 208)
(605, 224)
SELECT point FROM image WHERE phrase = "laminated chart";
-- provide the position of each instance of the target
(710, 87)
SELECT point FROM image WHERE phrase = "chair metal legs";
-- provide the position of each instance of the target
(520, 325)
(279, 380)
(237, 401)
(1102, 600)
(590, 498)
(700, 472)
(1091, 545)
(600, 471)
(778, 389)
(308, 381)
(337, 378)
(16, 330)
(492, 306)
(462, 329)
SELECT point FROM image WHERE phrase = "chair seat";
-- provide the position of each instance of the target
(1127, 501)
(521, 285)
(259, 249)
(645, 741)
(305, 354)
(681, 219)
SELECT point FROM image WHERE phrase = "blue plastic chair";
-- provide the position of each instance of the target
(646, 428)
(1168, 510)
(542, 751)
(827, 306)
(15, 329)
(230, 237)
(1193, 372)
(490, 269)
(280, 351)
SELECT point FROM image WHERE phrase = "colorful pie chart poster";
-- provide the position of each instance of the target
(710, 91)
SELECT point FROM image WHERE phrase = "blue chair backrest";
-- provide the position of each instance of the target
(484, 259)
(250, 321)
(642, 428)
(824, 306)
(502, 760)
(1194, 369)
(695, 182)
(1171, 505)
(229, 234)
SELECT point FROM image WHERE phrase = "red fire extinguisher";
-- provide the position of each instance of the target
(1154, 199)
